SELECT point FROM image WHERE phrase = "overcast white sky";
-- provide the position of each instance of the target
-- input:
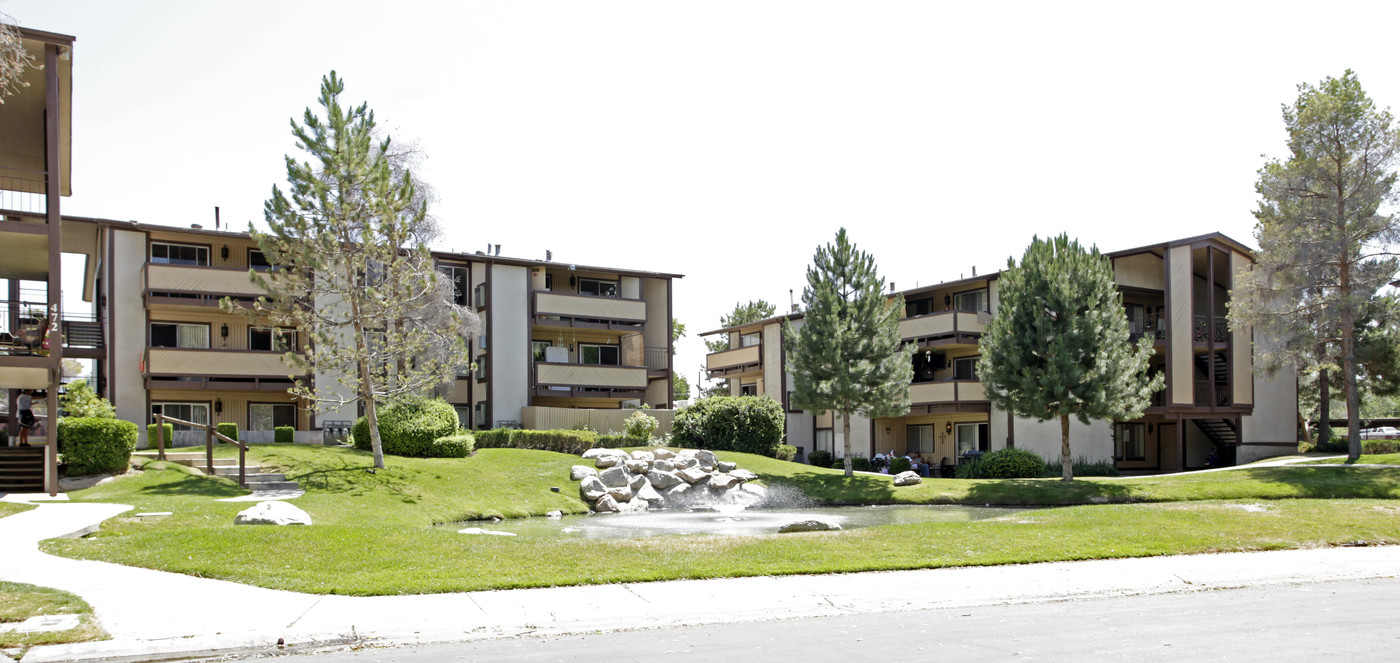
(724, 140)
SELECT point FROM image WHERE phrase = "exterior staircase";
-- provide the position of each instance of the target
(22, 469)
(257, 480)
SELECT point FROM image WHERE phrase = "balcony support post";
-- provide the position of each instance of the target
(53, 190)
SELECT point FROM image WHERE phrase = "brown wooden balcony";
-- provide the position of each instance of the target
(737, 363)
(557, 309)
(196, 285)
(199, 368)
(944, 328)
(948, 396)
(26, 330)
(590, 380)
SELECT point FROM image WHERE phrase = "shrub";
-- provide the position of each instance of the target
(1336, 445)
(1082, 467)
(749, 424)
(786, 452)
(496, 438)
(1012, 464)
(90, 445)
(408, 428)
(563, 441)
(900, 464)
(151, 435)
(460, 445)
(859, 464)
(612, 440)
(283, 434)
(227, 429)
(820, 458)
(79, 400)
(1373, 447)
(969, 469)
(640, 426)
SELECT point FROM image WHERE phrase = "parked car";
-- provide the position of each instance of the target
(1382, 433)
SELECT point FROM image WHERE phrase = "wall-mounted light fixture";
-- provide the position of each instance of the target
(223, 330)
(223, 252)
(887, 430)
(1149, 428)
(218, 406)
(948, 427)
(571, 278)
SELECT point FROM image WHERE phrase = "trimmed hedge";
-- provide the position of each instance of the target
(1373, 447)
(496, 438)
(786, 452)
(1082, 467)
(460, 445)
(151, 436)
(409, 428)
(612, 440)
(820, 458)
(749, 424)
(562, 441)
(1012, 464)
(91, 445)
(227, 429)
(283, 434)
(858, 464)
(900, 464)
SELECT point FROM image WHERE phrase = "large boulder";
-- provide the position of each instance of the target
(614, 477)
(707, 457)
(591, 489)
(722, 481)
(677, 493)
(685, 462)
(754, 489)
(662, 480)
(636, 466)
(808, 526)
(605, 504)
(642, 454)
(909, 478)
(663, 465)
(693, 475)
(580, 472)
(648, 494)
(664, 454)
(620, 495)
(635, 483)
(607, 461)
(743, 475)
(599, 452)
(726, 466)
(272, 513)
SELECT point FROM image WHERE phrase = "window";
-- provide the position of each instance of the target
(258, 261)
(974, 301)
(175, 335)
(464, 415)
(750, 389)
(918, 439)
(825, 439)
(598, 288)
(537, 350)
(921, 307)
(179, 254)
(925, 364)
(606, 355)
(479, 292)
(458, 277)
(479, 413)
(972, 436)
(747, 340)
(1136, 318)
(193, 412)
(548, 281)
(272, 338)
(268, 416)
(965, 368)
(1132, 441)
(481, 368)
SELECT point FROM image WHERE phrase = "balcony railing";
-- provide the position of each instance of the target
(1202, 393)
(587, 310)
(571, 379)
(658, 359)
(26, 329)
(943, 323)
(189, 279)
(212, 363)
(947, 391)
(22, 191)
(1203, 326)
(736, 359)
(1153, 326)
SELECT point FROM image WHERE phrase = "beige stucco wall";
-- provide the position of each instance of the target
(1179, 370)
(508, 342)
(127, 335)
(1143, 270)
(1094, 441)
(772, 361)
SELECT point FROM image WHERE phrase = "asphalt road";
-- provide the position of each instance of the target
(1352, 620)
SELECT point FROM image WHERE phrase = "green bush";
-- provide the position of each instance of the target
(227, 429)
(858, 464)
(408, 428)
(460, 445)
(749, 424)
(820, 458)
(563, 441)
(969, 469)
(90, 445)
(1082, 467)
(496, 438)
(1012, 464)
(900, 464)
(786, 452)
(612, 440)
(639, 427)
(151, 436)
(79, 400)
(1336, 445)
(283, 434)
(1373, 447)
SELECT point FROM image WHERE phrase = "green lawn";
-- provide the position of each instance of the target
(8, 508)
(19, 602)
(372, 533)
(1376, 459)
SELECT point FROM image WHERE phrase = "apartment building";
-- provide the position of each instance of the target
(1215, 405)
(35, 173)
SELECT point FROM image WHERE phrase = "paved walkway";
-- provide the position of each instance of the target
(153, 615)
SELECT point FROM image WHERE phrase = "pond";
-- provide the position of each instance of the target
(730, 522)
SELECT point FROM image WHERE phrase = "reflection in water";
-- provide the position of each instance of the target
(734, 522)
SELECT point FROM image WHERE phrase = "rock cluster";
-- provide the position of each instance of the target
(660, 478)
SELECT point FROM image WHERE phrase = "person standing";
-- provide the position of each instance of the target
(25, 402)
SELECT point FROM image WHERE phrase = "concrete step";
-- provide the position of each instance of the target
(272, 485)
(232, 470)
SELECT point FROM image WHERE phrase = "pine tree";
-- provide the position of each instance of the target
(351, 271)
(847, 356)
(1058, 345)
(1323, 239)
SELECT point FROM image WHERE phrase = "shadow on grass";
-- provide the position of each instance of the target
(348, 476)
(188, 485)
(1335, 481)
(838, 489)
(1041, 492)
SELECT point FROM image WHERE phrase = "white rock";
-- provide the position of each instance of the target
(599, 452)
(579, 472)
(556, 514)
(726, 466)
(648, 494)
(607, 461)
(636, 483)
(685, 462)
(755, 490)
(605, 504)
(642, 454)
(478, 530)
(707, 457)
(662, 480)
(623, 494)
(272, 513)
(677, 491)
(664, 454)
(633, 506)
(591, 489)
(692, 475)
(721, 481)
(636, 466)
(663, 465)
(743, 475)
(614, 477)
(909, 478)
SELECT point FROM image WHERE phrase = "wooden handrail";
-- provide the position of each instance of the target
(209, 434)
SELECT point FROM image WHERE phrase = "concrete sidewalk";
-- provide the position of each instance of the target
(153, 615)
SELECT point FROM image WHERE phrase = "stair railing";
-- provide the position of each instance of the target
(210, 434)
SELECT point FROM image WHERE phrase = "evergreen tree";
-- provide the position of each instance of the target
(1323, 239)
(1058, 345)
(351, 270)
(847, 356)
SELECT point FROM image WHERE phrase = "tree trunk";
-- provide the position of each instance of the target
(366, 382)
(1307, 432)
(1066, 463)
(846, 433)
(1324, 412)
(1353, 399)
